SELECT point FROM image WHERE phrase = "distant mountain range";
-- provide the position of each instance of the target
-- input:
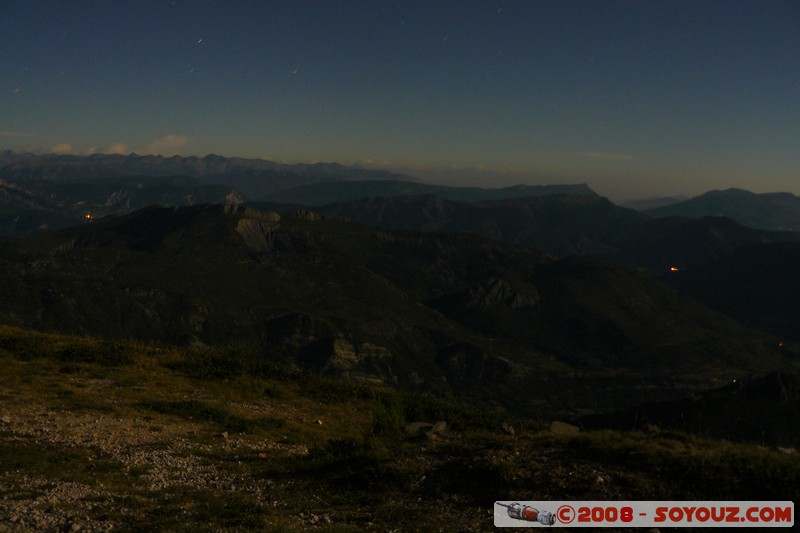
(320, 184)
(255, 178)
(52, 191)
(454, 313)
(560, 220)
(774, 211)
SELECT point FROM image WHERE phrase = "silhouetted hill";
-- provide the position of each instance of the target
(558, 224)
(774, 211)
(684, 242)
(335, 192)
(757, 285)
(565, 225)
(442, 312)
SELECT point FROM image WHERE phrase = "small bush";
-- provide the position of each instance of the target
(328, 390)
(344, 448)
(388, 414)
(391, 410)
(24, 348)
(105, 353)
(228, 362)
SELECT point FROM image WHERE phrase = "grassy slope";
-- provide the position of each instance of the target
(140, 437)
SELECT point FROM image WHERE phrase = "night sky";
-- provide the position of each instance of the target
(636, 98)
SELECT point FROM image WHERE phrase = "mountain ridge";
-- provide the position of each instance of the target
(773, 211)
(444, 312)
(565, 225)
(320, 194)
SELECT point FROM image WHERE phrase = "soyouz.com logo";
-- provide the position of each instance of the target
(643, 514)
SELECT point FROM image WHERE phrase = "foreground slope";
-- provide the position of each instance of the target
(449, 313)
(762, 410)
(99, 436)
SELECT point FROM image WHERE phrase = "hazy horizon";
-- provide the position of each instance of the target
(459, 177)
(635, 99)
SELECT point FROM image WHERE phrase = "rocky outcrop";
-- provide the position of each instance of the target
(365, 359)
(497, 292)
(250, 213)
(235, 198)
(563, 428)
(306, 214)
(257, 228)
(257, 234)
(344, 356)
